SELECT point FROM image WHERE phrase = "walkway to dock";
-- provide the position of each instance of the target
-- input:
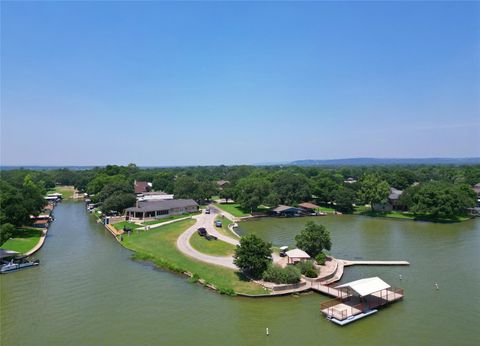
(347, 263)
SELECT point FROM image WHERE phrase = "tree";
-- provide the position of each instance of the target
(374, 190)
(185, 187)
(439, 199)
(344, 199)
(291, 188)
(324, 189)
(252, 191)
(163, 181)
(313, 239)
(6, 232)
(32, 196)
(110, 188)
(253, 256)
(118, 201)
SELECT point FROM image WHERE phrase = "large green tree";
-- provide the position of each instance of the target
(253, 191)
(291, 187)
(253, 256)
(439, 199)
(313, 239)
(118, 202)
(374, 190)
(344, 199)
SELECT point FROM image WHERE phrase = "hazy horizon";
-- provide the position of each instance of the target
(181, 84)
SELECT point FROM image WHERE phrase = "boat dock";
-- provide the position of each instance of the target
(358, 299)
(347, 263)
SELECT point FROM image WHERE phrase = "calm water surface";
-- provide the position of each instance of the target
(87, 291)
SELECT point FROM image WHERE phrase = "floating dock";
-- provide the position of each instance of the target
(352, 318)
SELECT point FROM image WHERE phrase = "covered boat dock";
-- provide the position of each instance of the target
(361, 299)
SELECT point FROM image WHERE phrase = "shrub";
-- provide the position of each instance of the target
(194, 278)
(226, 291)
(279, 275)
(321, 258)
(311, 273)
(307, 269)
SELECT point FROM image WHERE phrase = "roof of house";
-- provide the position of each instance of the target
(476, 188)
(281, 208)
(154, 193)
(166, 204)
(394, 193)
(8, 253)
(297, 253)
(141, 186)
(308, 205)
(41, 221)
(367, 286)
(222, 182)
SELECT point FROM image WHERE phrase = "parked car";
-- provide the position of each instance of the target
(207, 211)
(283, 251)
(218, 223)
(210, 237)
(202, 232)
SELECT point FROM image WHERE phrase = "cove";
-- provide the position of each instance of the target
(88, 291)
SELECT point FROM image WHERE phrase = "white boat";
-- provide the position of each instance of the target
(16, 265)
(12, 261)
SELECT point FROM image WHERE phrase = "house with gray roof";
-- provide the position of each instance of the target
(157, 209)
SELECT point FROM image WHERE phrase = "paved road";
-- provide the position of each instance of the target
(206, 220)
(183, 242)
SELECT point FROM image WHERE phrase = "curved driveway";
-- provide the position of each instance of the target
(207, 220)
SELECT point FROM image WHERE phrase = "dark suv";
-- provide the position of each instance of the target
(202, 231)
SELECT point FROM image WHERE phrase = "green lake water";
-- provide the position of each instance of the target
(87, 290)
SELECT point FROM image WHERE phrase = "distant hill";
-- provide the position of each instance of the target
(368, 161)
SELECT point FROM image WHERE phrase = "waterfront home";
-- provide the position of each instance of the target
(285, 210)
(55, 194)
(223, 183)
(41, 223)
(308, 208)
(142, 186)
(154, 196)
(296, 255)
(52, 199)
(392, 203)
(149, 210)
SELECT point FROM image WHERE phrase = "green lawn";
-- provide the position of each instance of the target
(168, 218)
(159, 246)
(66, 191)
(23, 240)
(232, 208)
(224, 229)
(362, 210)
(130, 225)
(326, 209)
(211, 247)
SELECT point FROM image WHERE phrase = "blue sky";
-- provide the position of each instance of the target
(91, 83)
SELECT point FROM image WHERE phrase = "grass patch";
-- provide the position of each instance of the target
(66, 191)
(211, 247)
(159, 246)
(409, 216)
(233, 208)
(325, 210)
(168, 218)
(23, 240)
(127, 224)
(224, 229)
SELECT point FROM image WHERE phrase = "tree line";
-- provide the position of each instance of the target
(438, 190)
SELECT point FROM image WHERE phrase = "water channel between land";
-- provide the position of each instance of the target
(87, 290)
